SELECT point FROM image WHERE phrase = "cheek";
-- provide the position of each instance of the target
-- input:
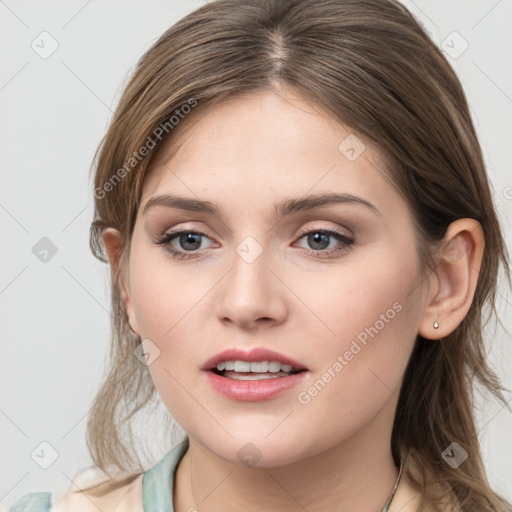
(370, 290)
(163, 297)
(162, 310)
(369, 312)
(166, 301)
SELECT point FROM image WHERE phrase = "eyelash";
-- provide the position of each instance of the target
(166, 239)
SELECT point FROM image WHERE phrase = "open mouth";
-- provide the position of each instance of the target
(263, 377)
(258, 370)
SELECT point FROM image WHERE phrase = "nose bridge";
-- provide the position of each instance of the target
(250, 290)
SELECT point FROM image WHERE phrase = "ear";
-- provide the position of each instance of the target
(454, 280)
(111, 240)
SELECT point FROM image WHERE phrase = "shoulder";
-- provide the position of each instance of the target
(125, 499)
(32, 502)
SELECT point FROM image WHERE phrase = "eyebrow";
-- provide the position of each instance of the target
(281, 209)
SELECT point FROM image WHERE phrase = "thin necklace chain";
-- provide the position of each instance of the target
(386, 508)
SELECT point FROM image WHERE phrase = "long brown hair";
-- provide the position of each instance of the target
(370, 65)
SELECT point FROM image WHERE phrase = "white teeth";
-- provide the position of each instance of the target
(242, 366)
(255, 376)
(256, 367)
(259, 367)
(274, 366)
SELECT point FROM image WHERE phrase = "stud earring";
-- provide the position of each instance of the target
(436, 325)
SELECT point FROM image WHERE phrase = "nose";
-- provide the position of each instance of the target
(251, 294)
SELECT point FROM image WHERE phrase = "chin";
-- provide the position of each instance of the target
(260, 450)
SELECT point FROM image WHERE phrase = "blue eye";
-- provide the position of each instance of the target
(320, 237)
(190, 242)
(185, 238)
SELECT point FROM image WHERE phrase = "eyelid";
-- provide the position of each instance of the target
(182, 227)
(303, 229)
(343, 230)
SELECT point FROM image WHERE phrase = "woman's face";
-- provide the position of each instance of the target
(267, 272)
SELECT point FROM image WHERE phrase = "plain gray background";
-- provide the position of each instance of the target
(54, 320)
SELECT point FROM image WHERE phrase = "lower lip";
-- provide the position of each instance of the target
(253, 390)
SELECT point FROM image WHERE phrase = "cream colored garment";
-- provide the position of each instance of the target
(126, 499)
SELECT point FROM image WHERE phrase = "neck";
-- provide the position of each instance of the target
(338, 478)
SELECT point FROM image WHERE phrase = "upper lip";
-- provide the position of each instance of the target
(252, 355)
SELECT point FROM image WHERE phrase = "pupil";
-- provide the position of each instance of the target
(317, 238)
(189, 237)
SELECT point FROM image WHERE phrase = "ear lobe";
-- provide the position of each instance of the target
(455, 278)
(111, 240)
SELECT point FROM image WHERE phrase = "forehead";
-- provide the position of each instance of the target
(254, 149)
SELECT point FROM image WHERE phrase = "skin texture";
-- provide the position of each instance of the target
(245, 155)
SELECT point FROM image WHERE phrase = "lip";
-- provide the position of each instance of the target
(252, 390)
(251, 356)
